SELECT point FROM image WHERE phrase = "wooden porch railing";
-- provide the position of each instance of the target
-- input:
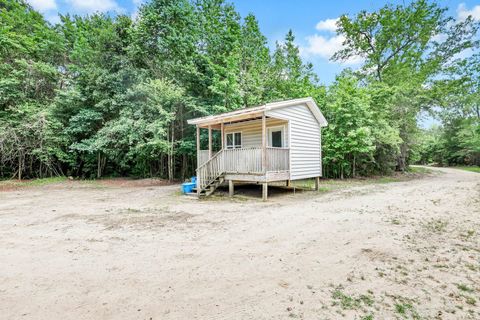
(278, 159)
(242, 160)
(202, 157)
(210, 170)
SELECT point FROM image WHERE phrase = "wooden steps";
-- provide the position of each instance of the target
(211, 187)
(210, 175)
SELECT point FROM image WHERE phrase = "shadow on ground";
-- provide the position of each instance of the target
(254, 191)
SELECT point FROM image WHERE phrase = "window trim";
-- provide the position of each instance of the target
(280, 128)
(234, 146)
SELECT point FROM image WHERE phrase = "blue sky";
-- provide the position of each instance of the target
(311, 20)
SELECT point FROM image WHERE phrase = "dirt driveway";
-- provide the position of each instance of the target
(389, 250)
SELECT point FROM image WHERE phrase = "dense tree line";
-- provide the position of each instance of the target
(457, 140)
(110, 95)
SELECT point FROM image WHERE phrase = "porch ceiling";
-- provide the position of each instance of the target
(233, 117)
(218, 126)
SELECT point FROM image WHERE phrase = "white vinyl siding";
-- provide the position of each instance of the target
(252, 131)
(305, 141)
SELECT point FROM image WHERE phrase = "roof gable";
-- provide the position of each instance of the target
(254, 111)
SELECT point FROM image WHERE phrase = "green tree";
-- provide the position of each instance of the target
(400, 49)
(29, 52)
(255, 63)
(290, 77)
(348, 141)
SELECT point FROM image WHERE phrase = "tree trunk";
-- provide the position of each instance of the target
(402, 158)
(379, 72)
(184, 166)
(20, 165)
(99, 164)
(170, 153)
(353, 167)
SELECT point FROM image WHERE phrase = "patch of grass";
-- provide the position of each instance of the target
(464, 287)
(405, 307)
(469, 168)
(45, 181)
(309, 184)
(367, 299)
(345, 301)
(436, 225)
(33, 182)
(471, 267)
(470, 300)
(420, 170)
(304, 184)
(386, 180)
(406, 310)
(350, 302)
(396, 221)
(323, 189)
(402, 308)
(468, 234)
(335, 184)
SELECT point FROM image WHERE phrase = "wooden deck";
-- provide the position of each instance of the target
(244, 164)
(269, 176)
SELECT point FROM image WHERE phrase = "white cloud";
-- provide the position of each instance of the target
(137, 4)
(440, 37)
(325, 46)
(53, 18)
(48, 8)
(322, 46)
(91, 6)
(43, 5)
(327, 25)
(463, 12)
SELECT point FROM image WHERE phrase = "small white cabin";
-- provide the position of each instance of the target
(279, 141)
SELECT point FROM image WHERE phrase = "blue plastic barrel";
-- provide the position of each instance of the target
(193, 179)
(187, 187)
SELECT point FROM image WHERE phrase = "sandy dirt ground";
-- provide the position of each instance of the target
(76, 250)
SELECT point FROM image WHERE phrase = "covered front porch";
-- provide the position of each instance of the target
(253, 148)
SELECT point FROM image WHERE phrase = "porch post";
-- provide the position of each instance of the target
(222, 135)
(198, 146)
(264, 144)
(317, 183)
(209, 142)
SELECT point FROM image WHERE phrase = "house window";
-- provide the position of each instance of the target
(275, 137)
(234, 140)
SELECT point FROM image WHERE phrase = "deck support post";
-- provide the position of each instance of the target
(317, 183)
(264, 191)
(209, 142)
(288, 183)
(230, 188)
